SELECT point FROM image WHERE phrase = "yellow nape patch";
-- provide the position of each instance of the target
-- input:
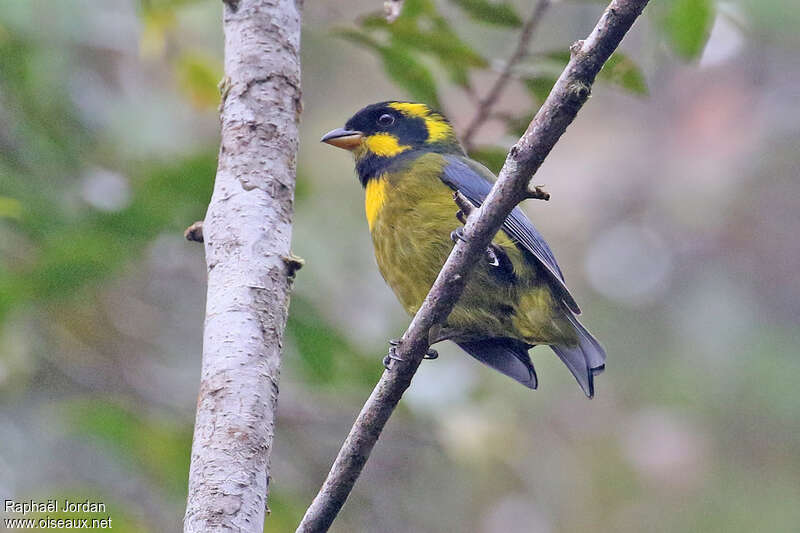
(374, 198)
(384, 144)
(438, 128)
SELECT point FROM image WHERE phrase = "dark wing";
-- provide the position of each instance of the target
(474, 181)
(508, 356)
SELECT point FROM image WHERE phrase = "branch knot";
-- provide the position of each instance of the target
(576, 48)
(194, 232)
(293, 264)
(578, 92)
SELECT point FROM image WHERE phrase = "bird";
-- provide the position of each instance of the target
(410, 163)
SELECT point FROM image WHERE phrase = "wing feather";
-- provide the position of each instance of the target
(474, 181)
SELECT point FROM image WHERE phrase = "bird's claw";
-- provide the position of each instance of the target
(458, 235)
(391, 356)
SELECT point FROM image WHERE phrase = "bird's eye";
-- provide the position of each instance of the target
(386, 120)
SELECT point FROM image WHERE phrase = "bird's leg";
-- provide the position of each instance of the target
(392, 355)
(458, 235)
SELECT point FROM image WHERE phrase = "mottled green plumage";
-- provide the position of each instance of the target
(409, 162)
(411, 235)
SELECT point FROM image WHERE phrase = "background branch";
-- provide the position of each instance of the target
(558, 111)
(485, 106)
(247, 233)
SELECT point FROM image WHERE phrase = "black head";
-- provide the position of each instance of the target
(381, 132)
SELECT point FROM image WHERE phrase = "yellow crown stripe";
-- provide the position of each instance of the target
(411, 109)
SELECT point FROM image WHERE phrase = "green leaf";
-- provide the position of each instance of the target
(410, 74)
(10, 207)
(540, 87)
(159, 447)
(441, 42)
(499, 13)
(401, 66)
(71, 254)
(621, 70)
(458, 74)
(326, 356)
(358, 37)
(687, 25)
(199, 76)
(455, 56)
(413, 9)
(490, 156)
(318, 343)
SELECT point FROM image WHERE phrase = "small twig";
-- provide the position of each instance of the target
(194, 232)
(524, 159)
(224, 87)
(485, 105)
(392, 9)
(293, 264)
(465, 207)
(537, 193)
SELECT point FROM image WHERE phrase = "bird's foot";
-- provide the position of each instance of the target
(458, 235)
(392, 355)
(431, 354)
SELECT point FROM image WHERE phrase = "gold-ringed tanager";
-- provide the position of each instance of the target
(409, 162)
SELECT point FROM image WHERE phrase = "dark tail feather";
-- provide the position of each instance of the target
(585, 360)
(504, 355)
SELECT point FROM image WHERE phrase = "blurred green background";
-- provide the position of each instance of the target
(674, 217)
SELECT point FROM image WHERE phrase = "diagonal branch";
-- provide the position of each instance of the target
(485, 106)
(562, 105)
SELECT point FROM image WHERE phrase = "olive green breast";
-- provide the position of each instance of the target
(411, 213)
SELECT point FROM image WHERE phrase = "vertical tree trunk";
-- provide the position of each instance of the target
(247, 233)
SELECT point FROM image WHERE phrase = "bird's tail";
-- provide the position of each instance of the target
(585, 359)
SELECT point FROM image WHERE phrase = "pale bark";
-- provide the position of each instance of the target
(247, 233)
(562, 105)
